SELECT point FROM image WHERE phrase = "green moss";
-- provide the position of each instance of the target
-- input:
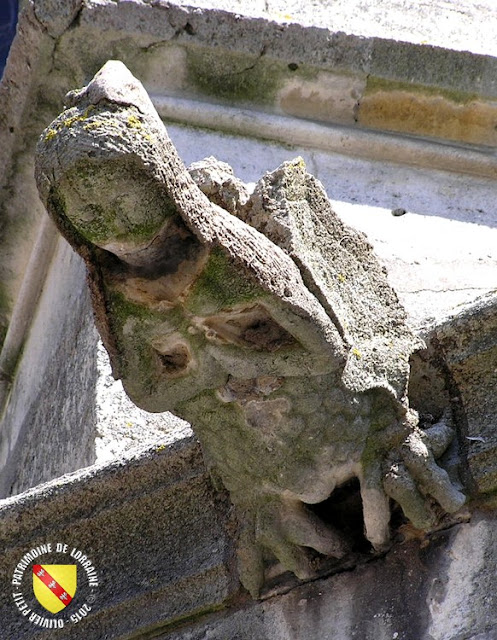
(234, 76)
(110, 212)
(220, 286)
(375, 84)
(121, 309)
(136, 357)
(103, 228)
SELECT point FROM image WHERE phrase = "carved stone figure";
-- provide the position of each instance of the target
(259, 318)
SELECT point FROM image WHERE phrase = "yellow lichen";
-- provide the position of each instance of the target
(95, 124)
(356, 352)
(341, 277)
(50, 134)
(134, 122)
(68, 122)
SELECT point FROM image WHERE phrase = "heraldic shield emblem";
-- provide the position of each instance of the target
(54, 585)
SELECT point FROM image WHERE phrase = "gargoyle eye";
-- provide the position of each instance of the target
(173, 356)
(251, 327)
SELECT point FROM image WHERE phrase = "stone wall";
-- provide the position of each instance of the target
(49, 424)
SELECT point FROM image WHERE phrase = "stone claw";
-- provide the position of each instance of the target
(287, 529)
(415, 474)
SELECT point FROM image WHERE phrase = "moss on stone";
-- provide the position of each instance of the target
(122, 215)
(234, 76)
(221, 285)
(135, 353)
(120, 309)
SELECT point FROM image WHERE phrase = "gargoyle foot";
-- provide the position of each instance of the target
(287, 529)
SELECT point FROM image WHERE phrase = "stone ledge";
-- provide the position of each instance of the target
(295, 69)
(271, 61)
(436, 589)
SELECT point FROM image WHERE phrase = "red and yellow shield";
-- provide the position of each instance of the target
(54, 585)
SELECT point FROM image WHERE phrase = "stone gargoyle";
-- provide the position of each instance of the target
(260, 318)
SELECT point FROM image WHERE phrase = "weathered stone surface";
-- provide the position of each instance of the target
(48, 426)
(327, 97)
(266, 323)
(469, 345)
(41, 69)
(29, 59)
(57, 15)
(153, 528)
(441, 589)
(328, 76)
(427, 113)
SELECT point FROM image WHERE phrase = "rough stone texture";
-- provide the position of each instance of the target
(152, 526)
(57, 15)
(440, 589)
(469, 346)
(464, 25)
(266, 323)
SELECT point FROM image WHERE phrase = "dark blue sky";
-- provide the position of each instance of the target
(8, 20)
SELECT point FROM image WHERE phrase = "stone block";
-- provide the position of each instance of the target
(422, 111)
(439, 589)
(57, 15)
(328, 97)
(153, 528)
